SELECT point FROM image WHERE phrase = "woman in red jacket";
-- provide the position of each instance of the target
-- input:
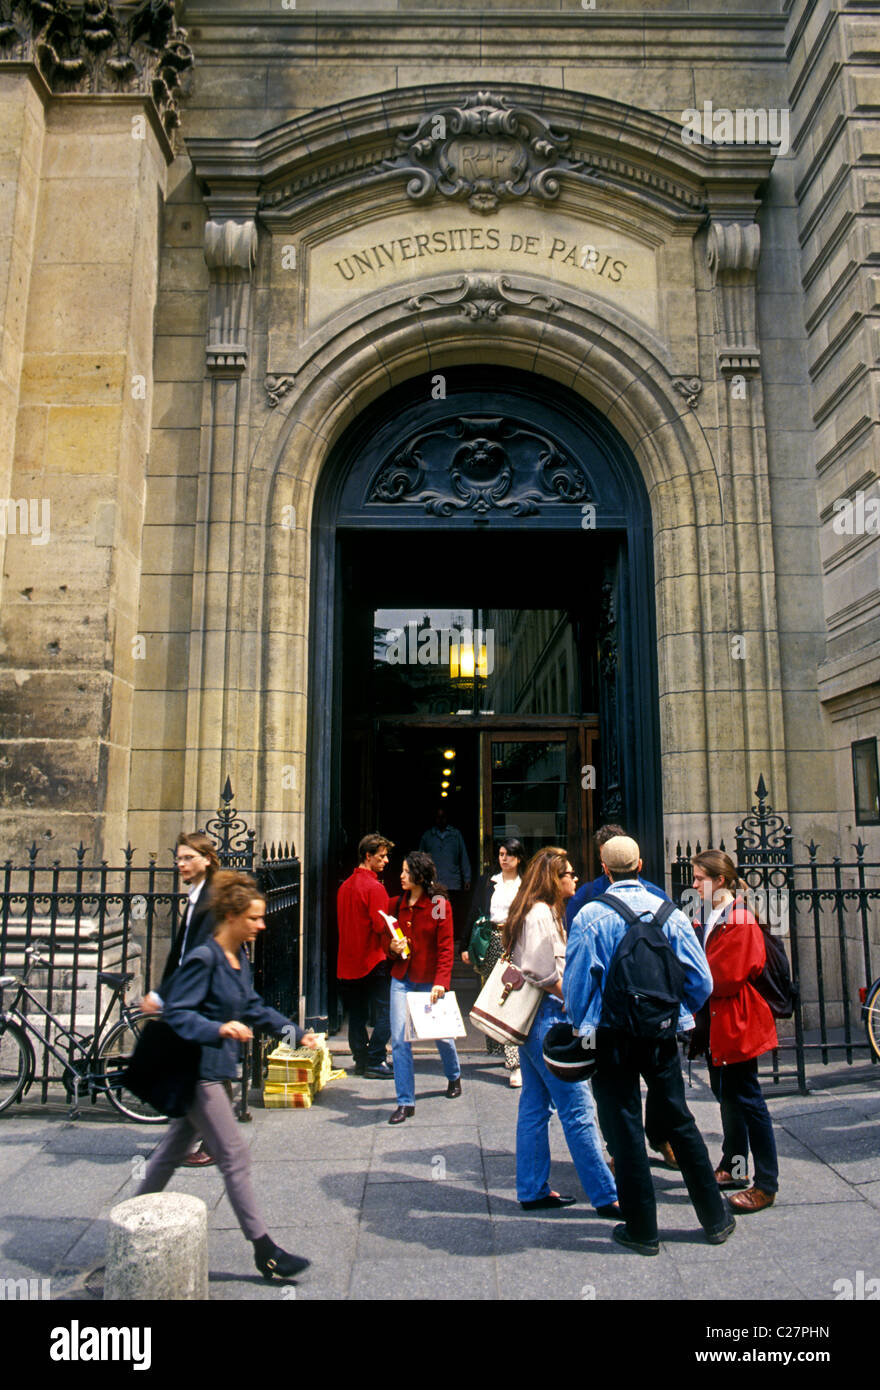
(425, 917)
(741, 1028)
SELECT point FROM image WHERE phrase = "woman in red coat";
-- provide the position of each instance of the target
(741, 1028)
(423, 965)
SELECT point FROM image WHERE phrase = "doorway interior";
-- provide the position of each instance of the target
(470, 680)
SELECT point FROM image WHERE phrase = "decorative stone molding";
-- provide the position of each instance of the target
(733, 253)
(277, 388)
(482, 297)
(689, 387)
(485, 150)
(481, 464)
(101, 48)
(231, 254)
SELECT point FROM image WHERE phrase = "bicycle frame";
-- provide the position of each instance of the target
(82, 1051)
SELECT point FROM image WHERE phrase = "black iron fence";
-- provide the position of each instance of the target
(121, 918)
(825, 912)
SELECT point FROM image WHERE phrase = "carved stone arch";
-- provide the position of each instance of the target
(612, 368)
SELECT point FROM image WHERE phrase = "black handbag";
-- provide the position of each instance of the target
(163, 1069)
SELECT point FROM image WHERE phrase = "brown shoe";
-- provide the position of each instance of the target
(752, 1200)
(665, 1152)
(199, 1158)
(725, 1179)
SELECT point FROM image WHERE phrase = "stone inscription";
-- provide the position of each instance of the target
(561, 248)
(374, 259)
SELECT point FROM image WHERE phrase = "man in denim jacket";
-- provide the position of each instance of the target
(622, 1058)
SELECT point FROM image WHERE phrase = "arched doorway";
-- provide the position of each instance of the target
(481, 631)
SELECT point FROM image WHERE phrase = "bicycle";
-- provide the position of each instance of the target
(871, 1010)
(94, 1062)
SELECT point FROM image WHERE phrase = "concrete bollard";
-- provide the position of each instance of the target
(157, 1248)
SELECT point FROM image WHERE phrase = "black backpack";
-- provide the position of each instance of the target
(774, 982)
(644, 984)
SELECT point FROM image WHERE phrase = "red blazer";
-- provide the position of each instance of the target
(741, 1025)
(363, 934)
(430, 941)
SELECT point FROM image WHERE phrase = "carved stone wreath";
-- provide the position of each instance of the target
(485, 151)
(480, 464)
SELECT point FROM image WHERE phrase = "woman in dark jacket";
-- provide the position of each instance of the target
(423, 963)
(494, 895)
(741, 1028)
(211, 1001)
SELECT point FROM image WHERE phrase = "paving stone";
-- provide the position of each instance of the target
(232, 1274)
(413, 1218)
(425, 1280)
(287, 1192)
(396, 1160)
(844, 1142)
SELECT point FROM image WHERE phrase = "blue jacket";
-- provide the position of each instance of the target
(588, 891)
(593, 939)
(205, 992)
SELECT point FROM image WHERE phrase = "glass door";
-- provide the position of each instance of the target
(536, 787)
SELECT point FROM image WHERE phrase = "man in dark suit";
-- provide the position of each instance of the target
(196, 861)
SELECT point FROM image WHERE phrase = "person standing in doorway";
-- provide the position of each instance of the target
(446, 847)
(494, 895)
(362, 967)
(197, 862)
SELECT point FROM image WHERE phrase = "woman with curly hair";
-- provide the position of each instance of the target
(423, 964)
(534, 935)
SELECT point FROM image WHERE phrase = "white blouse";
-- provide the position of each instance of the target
(503, 895)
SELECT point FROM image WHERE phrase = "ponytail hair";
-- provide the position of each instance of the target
(717, 864)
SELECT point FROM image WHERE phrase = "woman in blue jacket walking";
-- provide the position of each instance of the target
(212, 1001)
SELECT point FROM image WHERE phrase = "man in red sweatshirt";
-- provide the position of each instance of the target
(363, 967)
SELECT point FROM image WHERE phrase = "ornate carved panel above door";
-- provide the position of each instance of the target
(480, 464)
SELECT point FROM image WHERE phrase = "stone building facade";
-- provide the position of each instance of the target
(262, 264)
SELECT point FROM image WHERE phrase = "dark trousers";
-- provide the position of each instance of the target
(373, 990)
(745, 1123)
(622, 1060)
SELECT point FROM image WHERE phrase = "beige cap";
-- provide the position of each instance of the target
(620, 853)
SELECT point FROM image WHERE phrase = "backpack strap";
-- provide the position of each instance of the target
(630, 917)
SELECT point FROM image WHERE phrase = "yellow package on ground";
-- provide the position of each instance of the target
(292, 1069)
(279, 1096)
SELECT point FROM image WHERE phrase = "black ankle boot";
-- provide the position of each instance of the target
(270, 1259)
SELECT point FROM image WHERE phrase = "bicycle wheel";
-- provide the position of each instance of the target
(15, 1063)
(872, 1018)
(114, 1054)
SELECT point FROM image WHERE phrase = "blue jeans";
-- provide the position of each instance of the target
(401, 1052)
(573, 1100)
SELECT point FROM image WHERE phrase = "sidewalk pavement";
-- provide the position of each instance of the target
(428, 1209)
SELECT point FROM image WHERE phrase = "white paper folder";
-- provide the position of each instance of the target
(425, 1022)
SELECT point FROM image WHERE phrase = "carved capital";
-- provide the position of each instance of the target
(733, 253)
(101, 48)
(231, 254)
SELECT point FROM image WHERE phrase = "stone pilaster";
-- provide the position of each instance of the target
(109, 76)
